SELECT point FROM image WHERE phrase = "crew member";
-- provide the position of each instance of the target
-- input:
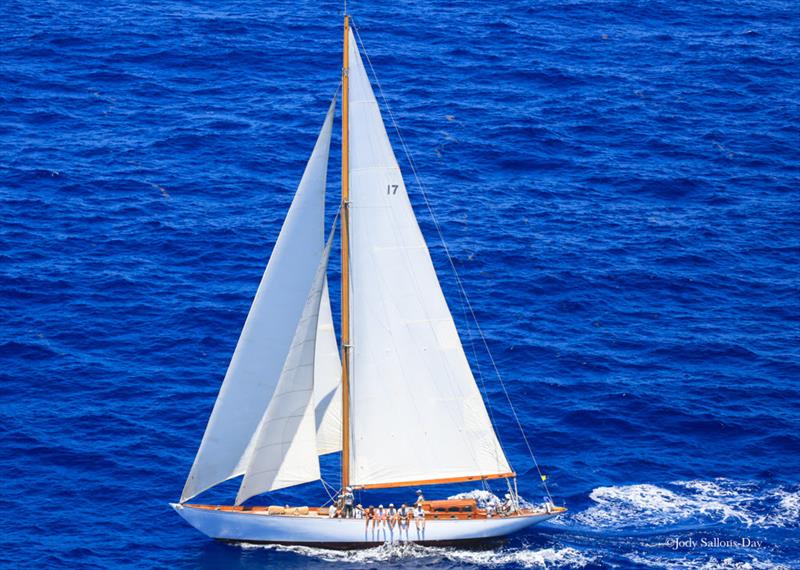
(348, 499)
(391, 517)
(380, 521)
(402, 516)
(419, 519)
(508, 505)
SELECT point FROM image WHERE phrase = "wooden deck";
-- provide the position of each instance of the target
(452, 509)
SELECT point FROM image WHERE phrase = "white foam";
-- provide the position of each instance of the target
(635, 506)
(787, 513)
(542, 558)
(696, 502)
(748, 503)
(708, 563)
(486, 498)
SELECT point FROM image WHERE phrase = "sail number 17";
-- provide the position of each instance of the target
(391, 189)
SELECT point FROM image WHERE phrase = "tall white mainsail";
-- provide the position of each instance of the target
(284, 448)
(417, 414)
(268, 332)
(327, 381)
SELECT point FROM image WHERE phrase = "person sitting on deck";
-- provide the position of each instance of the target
(391, 517)
(380, 520)
(420, 497)
(508, 507)
(419, 518)
(359, 513)
(332, 511)
(402, 516)
(369, 517)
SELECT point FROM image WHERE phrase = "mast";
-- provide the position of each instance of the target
(346, 259)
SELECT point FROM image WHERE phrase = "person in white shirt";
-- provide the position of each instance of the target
(508, 506)
(347, 503)
(332, 511)
(391, 519)
(419, 519)
(359, 511)
(402, 519)
(380, 521)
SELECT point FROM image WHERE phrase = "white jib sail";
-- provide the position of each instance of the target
(284, 449)
(327, 381)
(417, 414)
(267, 334)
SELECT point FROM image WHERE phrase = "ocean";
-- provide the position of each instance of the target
(617, 182)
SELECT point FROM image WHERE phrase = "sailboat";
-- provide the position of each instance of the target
(396, 397)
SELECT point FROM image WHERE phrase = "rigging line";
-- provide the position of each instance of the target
(477, 363)
(336, 93)
(481, 378)
(326, 486)
(452, 263)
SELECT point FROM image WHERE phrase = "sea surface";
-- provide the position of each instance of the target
(617, 182)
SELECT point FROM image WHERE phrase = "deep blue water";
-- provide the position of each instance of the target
(616, 180)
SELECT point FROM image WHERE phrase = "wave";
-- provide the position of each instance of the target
(526, 558)
(709, 563)
(697, 503)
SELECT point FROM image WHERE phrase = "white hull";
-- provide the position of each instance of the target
(346, 533)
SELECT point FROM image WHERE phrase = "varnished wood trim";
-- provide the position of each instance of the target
(438, 481)
(346, 257)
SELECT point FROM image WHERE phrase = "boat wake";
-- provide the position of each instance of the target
(705, 563)
(688, 503)
(520, 556)
(523, 557)
(631, 521)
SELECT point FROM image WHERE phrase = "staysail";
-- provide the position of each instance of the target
(327, 381)
(284, 448)
(266, 338)
(417, 414)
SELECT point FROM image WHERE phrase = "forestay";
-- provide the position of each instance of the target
(417, 414)
(267, 335)
(284, 448)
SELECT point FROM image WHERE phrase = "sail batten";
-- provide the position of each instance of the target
(417, 413)
(268, 332)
